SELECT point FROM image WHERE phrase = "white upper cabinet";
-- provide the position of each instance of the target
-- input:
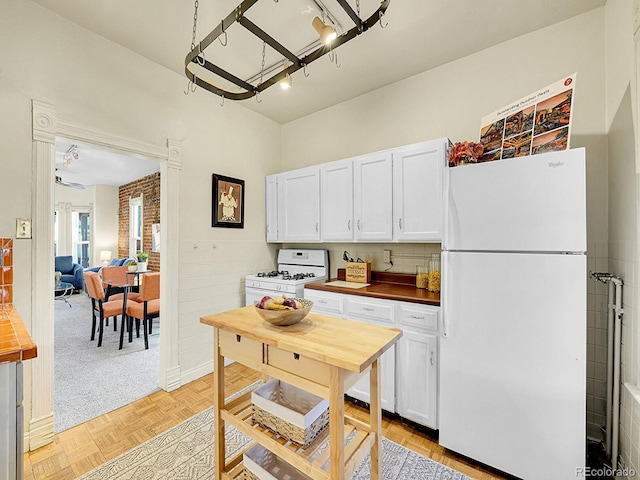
(393, 195)
(372, 196)
(271, 204)
(299, 205)
(336, 179)
(417, 191)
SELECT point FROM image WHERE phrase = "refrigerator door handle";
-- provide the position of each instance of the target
(445, 306)
(445, 326)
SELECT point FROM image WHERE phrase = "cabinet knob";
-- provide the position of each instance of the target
(349, 225)
(367, 309)
(417, 317)
(431, 361)
(358, 224)
(316, 226)
(400, 223)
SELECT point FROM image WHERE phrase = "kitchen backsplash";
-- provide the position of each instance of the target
(404, 256)
(6, 271)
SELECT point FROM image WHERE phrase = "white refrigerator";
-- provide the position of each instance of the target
(513, 346)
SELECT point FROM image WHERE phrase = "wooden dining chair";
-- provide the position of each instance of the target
(99, 307)
(145, 308)
(117, 276)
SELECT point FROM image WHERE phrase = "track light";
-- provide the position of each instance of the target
(285, 83)
(326, 32)
(71, 155)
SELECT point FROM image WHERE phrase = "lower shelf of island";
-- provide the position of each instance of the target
(314, 461)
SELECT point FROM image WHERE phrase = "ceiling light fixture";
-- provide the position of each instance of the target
(326, 32)
(208, 75)
(70, 155)
(286, 83)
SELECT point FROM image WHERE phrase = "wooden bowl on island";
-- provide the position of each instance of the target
(283, 318)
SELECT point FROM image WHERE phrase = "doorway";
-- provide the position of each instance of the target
(45, 128)
(91, 213)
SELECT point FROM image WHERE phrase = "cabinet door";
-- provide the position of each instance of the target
(372, 189)
(377, 312)
(271, 207)
(336, 179)
(387, 365)
(417, 377)
(417, 191)
(299, 202)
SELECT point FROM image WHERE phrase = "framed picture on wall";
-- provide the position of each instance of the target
(227, 209)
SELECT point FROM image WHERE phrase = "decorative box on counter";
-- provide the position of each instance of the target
(358, 272)
(289, 411)
(261, 464)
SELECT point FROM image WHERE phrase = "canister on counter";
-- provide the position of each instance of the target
(433, 278)
(422, 276)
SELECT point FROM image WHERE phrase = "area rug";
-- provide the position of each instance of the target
(91, 381)
(185, 452)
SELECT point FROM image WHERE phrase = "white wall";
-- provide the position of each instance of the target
(623, 258)
(96, 84)
(450, 100)
(105, 222)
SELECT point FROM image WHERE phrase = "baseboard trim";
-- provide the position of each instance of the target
(173, 379)
(197, 372)
(40, 432)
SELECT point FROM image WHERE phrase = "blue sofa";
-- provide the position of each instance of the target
(72, 273)
(116, 262)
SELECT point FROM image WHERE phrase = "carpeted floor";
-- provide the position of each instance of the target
(186, 452)
(91, 381)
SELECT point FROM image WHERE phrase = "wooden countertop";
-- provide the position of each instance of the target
(343, 343)
(15, 341)
(389, 286)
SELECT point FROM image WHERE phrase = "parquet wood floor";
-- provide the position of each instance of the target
(86, 446)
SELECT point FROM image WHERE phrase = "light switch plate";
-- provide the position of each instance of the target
(386, 256)
(23, 228)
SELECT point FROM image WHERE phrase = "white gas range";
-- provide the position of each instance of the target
(295, 268)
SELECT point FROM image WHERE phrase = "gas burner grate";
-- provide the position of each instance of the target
(272, 273)
(297, 276)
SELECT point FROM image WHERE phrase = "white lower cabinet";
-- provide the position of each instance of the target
(409, 370)
(326, 303)
(417, 382)
(417, 363)
(377, 312)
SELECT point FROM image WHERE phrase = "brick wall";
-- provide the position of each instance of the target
(149, 186)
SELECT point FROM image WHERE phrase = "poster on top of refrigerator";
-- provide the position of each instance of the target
(537, 123)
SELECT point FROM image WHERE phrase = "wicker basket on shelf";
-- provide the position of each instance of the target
(289, 411)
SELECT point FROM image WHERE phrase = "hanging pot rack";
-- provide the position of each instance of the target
(196, 56)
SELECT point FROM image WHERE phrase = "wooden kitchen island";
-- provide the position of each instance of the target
(322, 355)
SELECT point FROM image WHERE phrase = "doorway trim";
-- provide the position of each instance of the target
(45, 128)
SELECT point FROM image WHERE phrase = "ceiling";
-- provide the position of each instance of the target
(100, 167)
(419, 35)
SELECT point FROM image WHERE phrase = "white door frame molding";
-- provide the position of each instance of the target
(45, 128)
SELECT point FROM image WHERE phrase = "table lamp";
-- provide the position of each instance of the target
(105, 256)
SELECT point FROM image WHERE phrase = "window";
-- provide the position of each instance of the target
(81, 237)
(135, 225)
